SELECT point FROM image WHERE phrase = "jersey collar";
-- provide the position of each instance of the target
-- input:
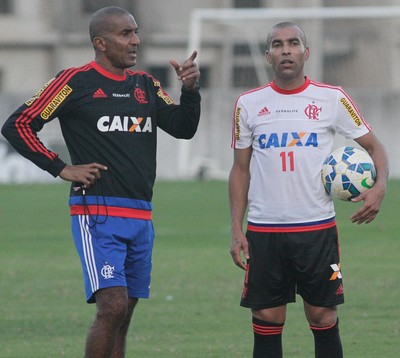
(293, 91)
(107, 74)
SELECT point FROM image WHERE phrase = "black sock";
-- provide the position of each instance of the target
(267, 339)
(327, 341)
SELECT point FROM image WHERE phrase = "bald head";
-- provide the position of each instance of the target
(282, 25)
(100, 22)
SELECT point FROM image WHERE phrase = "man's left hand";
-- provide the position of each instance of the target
(188, 72)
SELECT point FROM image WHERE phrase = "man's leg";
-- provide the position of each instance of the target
(267, 328)
(324, 325)
(112, 311)
(120, 340)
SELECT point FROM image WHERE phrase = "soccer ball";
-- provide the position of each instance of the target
(347, 172)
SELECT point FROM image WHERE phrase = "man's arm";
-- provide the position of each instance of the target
(373, 197)
(239, 181)
(22, 127)
(181, 121)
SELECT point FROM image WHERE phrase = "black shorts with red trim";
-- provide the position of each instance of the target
(285, 262)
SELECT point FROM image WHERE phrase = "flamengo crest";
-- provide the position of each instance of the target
(107, 271)
(140, 96)
(312, 111)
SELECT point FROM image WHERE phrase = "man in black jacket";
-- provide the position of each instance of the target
(109, 116)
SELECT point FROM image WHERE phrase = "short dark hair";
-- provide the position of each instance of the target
(99, 22)
(283, 25)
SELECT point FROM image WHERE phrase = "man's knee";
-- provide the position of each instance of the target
(112, 303)
(320, 316)
(275, 314)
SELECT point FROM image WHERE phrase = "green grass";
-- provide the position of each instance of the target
(194, 307)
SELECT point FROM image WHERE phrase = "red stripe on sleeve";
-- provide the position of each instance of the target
(23, 122)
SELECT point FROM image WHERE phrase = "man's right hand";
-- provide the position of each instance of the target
(239, 246)
(87, 174)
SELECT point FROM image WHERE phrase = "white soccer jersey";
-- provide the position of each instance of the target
(291, 133)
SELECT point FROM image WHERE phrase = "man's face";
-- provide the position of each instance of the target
(287, 53)
(121, 43)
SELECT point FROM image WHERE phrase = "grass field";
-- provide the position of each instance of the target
(194, 307)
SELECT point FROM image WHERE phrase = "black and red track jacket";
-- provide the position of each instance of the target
(107, 119)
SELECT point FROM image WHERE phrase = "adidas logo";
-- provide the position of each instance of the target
(340, 290)
(99, 94)
(263, 112)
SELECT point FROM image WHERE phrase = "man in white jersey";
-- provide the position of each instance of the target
(282, 132)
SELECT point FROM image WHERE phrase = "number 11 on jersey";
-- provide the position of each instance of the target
(287, 161)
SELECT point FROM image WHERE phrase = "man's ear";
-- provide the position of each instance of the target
(99, 44)
(307, 53)
(268, 57)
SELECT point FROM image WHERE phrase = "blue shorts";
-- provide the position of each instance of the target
(116, 251)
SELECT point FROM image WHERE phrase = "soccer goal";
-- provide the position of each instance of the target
(354, 47)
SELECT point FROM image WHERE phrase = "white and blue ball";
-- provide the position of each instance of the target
(347, 172)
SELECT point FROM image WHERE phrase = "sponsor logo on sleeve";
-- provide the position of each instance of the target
(56, 101)
(352, 112)
(37, 95)
(237, 123)
(167, 99)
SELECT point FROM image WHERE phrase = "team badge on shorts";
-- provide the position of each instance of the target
(107, 271)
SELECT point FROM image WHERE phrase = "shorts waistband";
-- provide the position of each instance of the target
(301, 227)
(103, 210)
